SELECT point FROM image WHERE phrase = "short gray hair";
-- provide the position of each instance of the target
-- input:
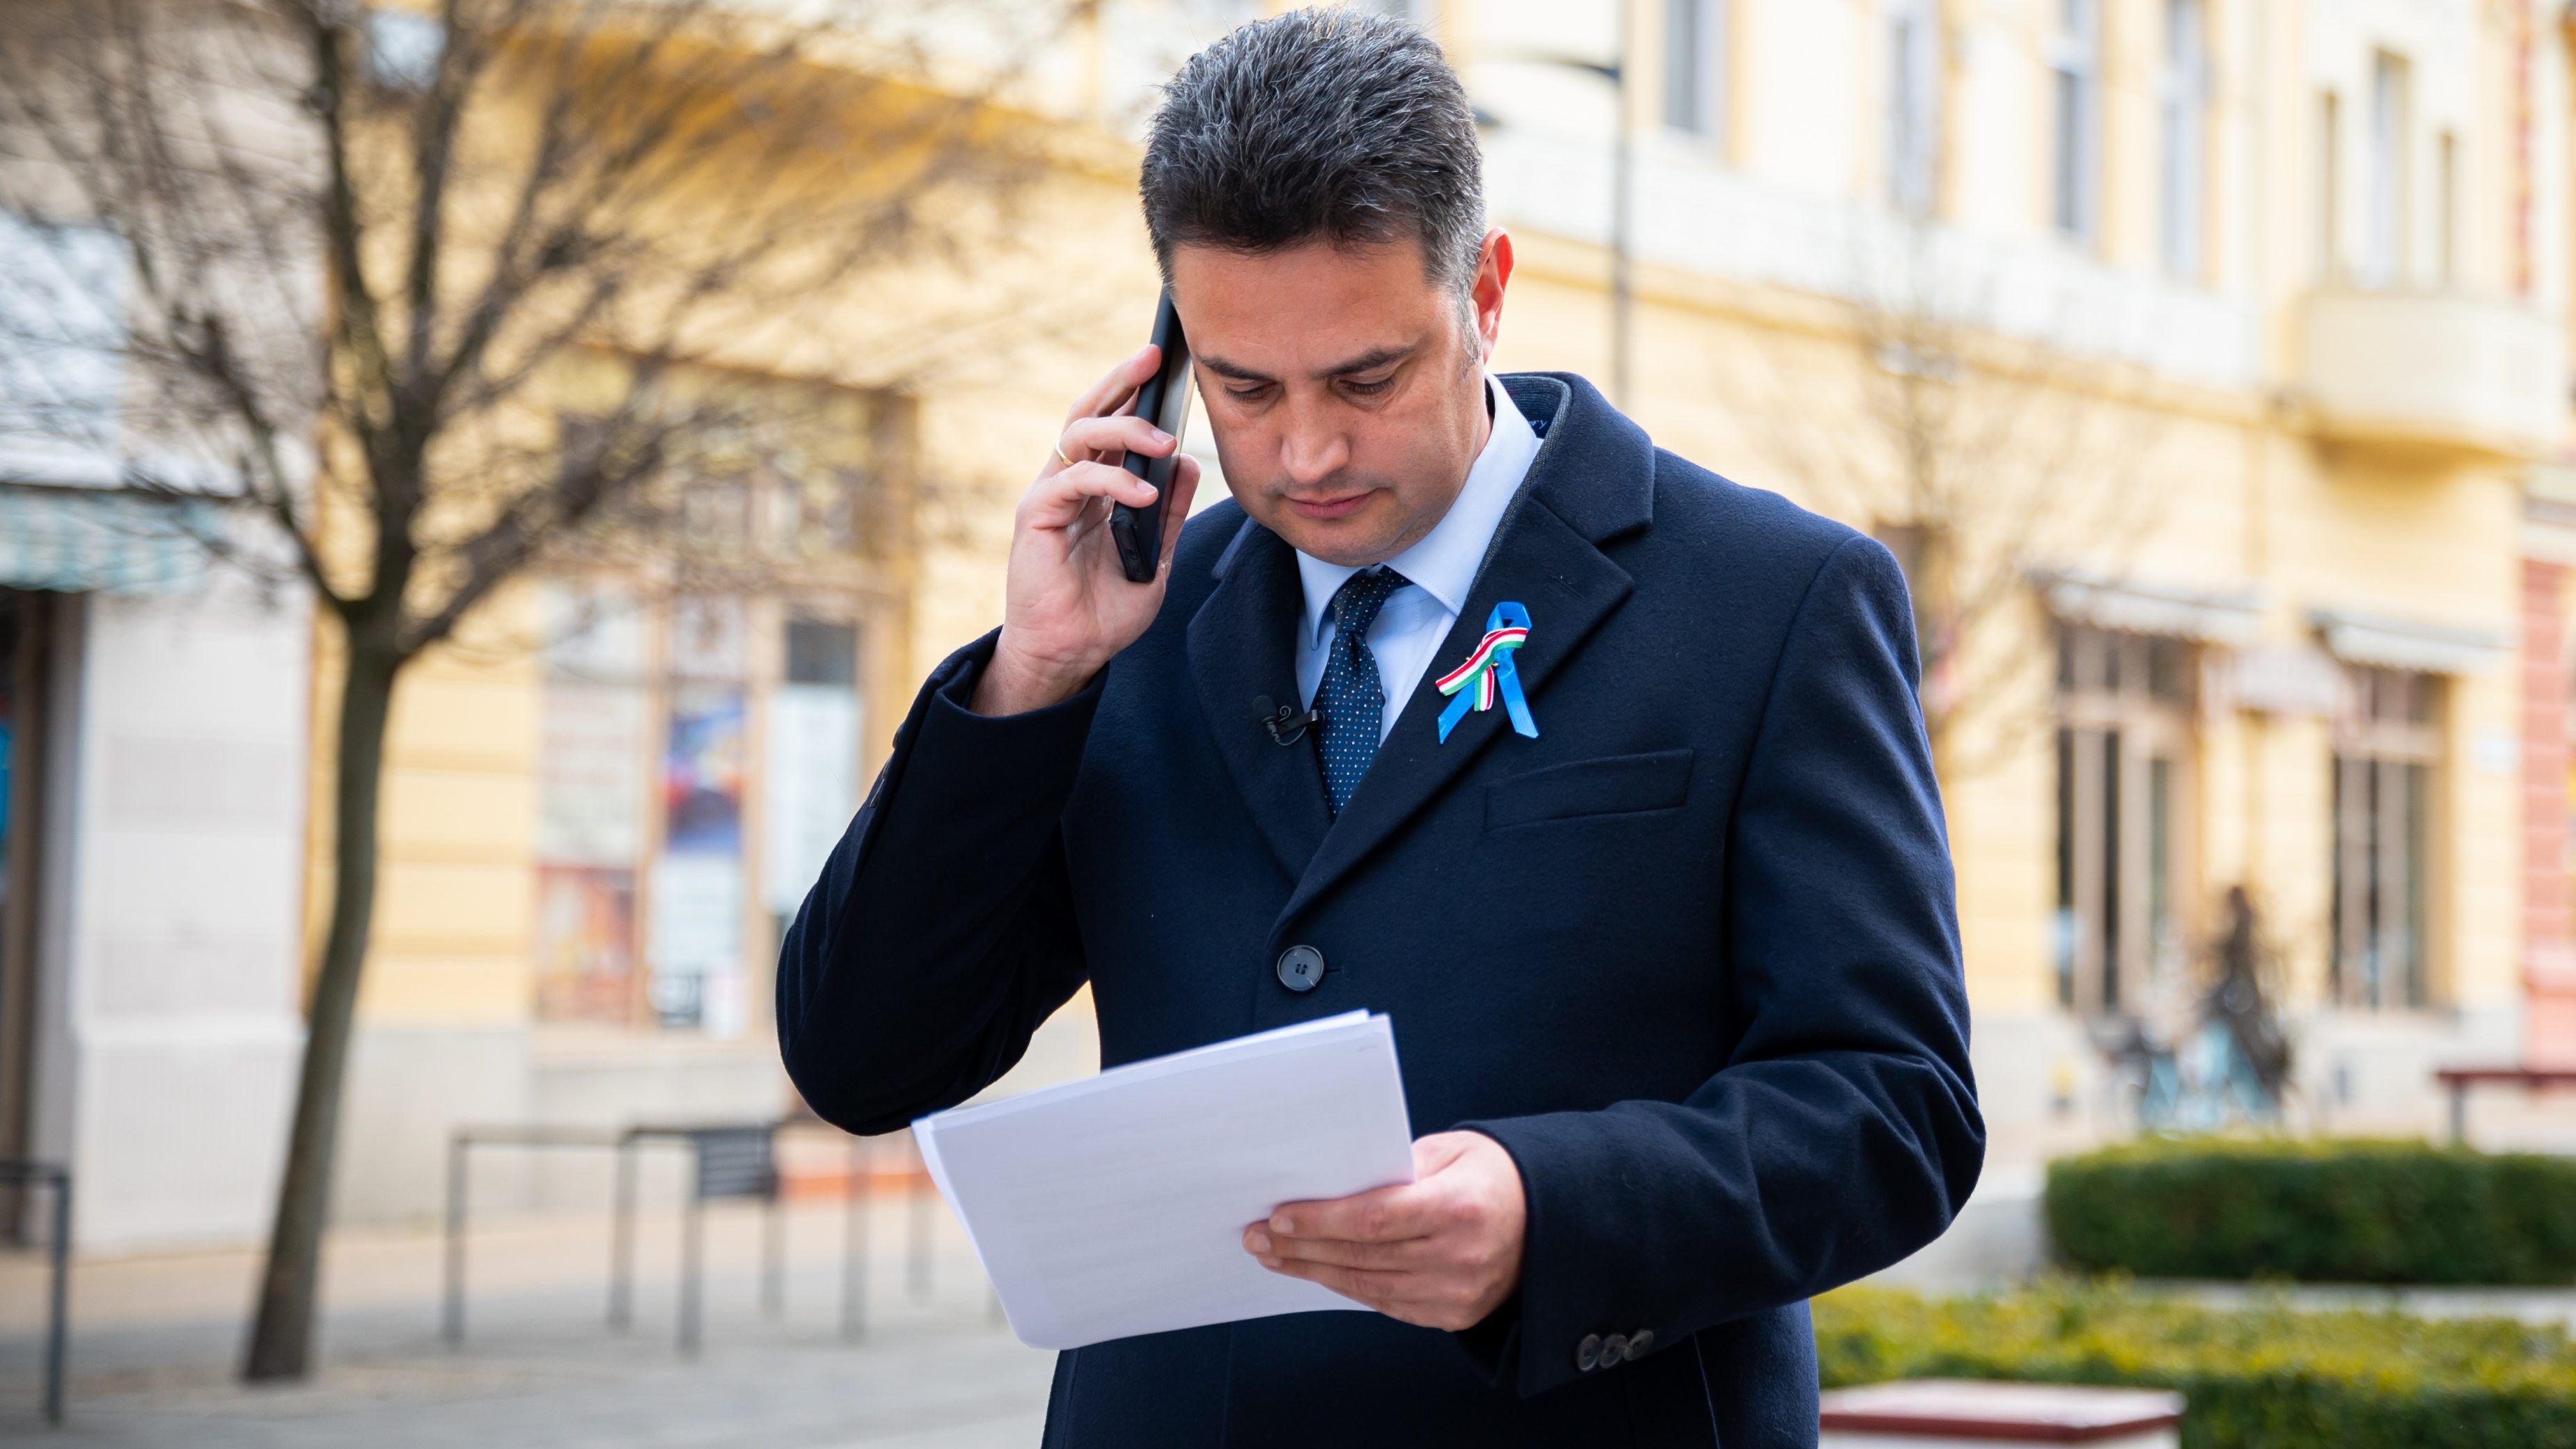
(1325, 124)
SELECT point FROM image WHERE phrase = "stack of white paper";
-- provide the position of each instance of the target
(1116, 1205)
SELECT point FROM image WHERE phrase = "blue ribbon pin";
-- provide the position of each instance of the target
(1488, 672)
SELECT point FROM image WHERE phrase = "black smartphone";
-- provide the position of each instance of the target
(1164, 401)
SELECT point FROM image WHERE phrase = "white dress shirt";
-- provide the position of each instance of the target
(1440, 568)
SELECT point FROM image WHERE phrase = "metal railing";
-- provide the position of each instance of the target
(736, 1160)
(59, 1250)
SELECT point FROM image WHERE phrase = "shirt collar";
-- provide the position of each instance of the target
(1443, 562)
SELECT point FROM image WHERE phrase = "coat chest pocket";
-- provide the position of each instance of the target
(1614, 785)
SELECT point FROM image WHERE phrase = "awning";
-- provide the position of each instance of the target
(2131, 607)
(2386, 643)
(78, 540)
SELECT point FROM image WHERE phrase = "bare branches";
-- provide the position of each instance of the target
(365, 290)
(1980, 455)
(450, 292)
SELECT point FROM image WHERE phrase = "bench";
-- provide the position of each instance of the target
(2459, 1079)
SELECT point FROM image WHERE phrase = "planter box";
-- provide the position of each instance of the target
(1970, 1414)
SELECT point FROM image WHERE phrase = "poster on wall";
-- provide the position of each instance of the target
(697, 907)
(697, 943)
(585, 944)
(810, 780)
(702, 773)
(591, 775)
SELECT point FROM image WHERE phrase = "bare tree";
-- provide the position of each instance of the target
(444, 292)
(1980, 458)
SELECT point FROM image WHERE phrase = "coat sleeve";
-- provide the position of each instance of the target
(1842, 1132)
(942, 930)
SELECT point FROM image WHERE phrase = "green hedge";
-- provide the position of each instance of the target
(2258, 1378)
(2326, 1210)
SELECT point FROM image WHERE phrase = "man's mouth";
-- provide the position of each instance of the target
(1340, 505)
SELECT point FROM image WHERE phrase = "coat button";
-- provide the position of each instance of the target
(1301, 968)
(1614, 1349)
(1587, 1354)
(1640, 1343)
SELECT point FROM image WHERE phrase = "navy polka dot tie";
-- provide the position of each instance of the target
(1351, 699)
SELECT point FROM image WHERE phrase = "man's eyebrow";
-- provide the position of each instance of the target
(1371, 360)
(1368, 361)
(1223, 368)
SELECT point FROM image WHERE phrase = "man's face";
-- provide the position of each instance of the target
(1346, 400)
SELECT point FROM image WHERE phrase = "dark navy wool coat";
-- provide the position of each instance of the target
(1691, 956)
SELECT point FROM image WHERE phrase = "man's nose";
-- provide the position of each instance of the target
(1312, 450)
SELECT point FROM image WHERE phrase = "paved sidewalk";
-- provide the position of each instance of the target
(154, 1340)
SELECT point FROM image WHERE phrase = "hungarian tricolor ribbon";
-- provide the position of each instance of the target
(1488, 672)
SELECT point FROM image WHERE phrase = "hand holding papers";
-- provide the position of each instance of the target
(1116, 1205)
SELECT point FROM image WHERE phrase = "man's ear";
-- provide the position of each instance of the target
(1493, 274)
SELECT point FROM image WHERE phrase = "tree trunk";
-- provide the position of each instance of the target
(281, 1340)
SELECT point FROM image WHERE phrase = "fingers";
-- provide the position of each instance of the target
(1387, 1214)
(1407, 1297)
(1409, 1254)
(1060, 499)
(1103, 439)
(1442, 1251)
(1368, 1286)
(1116, 385)
(1437, 1152)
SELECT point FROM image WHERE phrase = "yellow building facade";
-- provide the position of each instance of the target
(2194, 356)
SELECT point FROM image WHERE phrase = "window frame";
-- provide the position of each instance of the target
(1911, 32)
(2446, 241)
(2330, 187)
(2387, 250)
(2119, 717)
(2375, 838)
(1700, 61)
(2075, 123)
(2183, 103)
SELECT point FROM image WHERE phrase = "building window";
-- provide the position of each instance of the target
(593, 713)
(64, 352)
(1695, 67)
(2330, 188)
(700, 753)
(2448, 238)
(809, 760)
(649, 777)
(2384, 260)
(1913, 105)
(2186, 107)
(2386, 747)
(2124, 744)
(2075, 65)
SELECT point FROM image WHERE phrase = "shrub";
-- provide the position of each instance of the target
(2347, 1210)
(2265, 1377)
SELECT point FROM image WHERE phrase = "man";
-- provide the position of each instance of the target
(1666, 930)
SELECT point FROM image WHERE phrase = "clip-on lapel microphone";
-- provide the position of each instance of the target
(1286, 723)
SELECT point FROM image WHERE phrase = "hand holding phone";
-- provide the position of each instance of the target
(1164, 401)
(1072, 600)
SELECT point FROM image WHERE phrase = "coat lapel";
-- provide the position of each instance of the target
(1239, 648)
(1569, 587)
(1593, 477)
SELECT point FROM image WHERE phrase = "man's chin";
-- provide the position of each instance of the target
(1356, 542)
(1345, 552)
